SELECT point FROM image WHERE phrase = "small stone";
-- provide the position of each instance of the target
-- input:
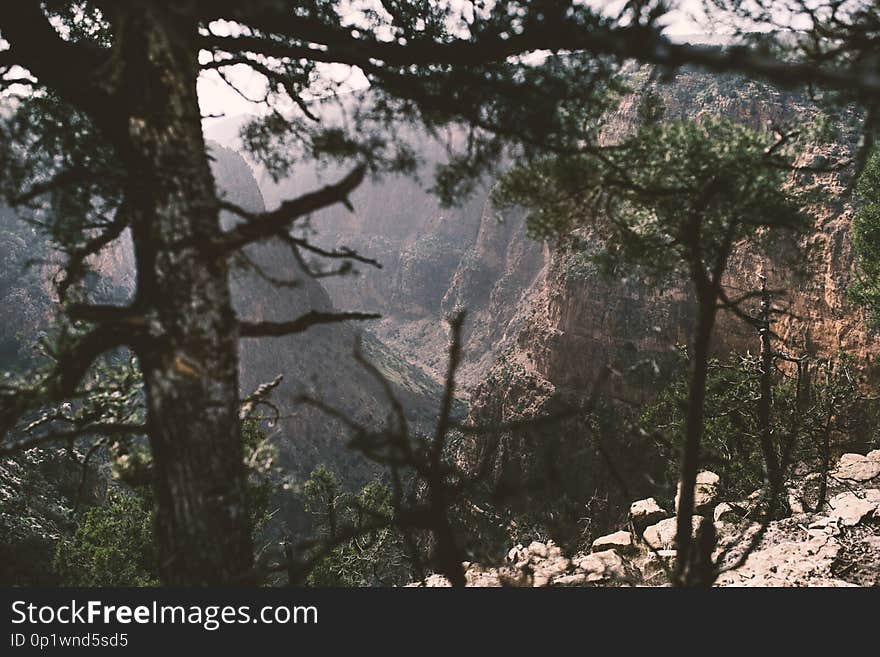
(577, 579)
(621, 541)
(517, 553)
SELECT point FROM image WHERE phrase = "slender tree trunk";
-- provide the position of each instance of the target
(190, 368)
(771, 461)
(447, 555)
(690, 457)
(825, 448)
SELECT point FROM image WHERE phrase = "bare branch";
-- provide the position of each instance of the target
(61, 382)
(258, 396)
(261, 226)
(300, 324)
(75, 269)
(62, 179)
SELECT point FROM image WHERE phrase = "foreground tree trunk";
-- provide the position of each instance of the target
(190, 362)
(690, 457)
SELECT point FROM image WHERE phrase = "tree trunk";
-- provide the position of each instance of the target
(771, 460)
(690, 457)
(825, 448)
(190, 367)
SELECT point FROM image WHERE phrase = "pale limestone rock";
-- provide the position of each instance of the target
(822, 521)
(553, 550)
(705, 492)
(644, 513)
(621, 541)
(432, 581)
(786, 558)
(482, 578)
(537, 549)
(662, 535)
(856, 467)
(576, 579)
(872, 542)
(657, 563)
(540, 579)
(606, 565)
(552, 567)
(850, 508)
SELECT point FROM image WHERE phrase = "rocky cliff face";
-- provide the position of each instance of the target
(434, 260)
(579, 322)
(319, 363)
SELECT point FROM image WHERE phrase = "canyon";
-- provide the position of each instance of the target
(542, 322)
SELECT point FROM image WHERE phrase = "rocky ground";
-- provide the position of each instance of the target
(837, 545)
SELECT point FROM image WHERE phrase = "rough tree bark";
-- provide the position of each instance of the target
(190, 364)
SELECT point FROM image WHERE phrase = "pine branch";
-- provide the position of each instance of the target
(95, 429)
(576, 34)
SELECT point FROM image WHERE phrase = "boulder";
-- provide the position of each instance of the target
(549, 569)
(856, 467)
(621, 541)
(850, 508)
(537, 549)
(656, 564)
(607, 565)
(705, 492)
(662, 535)
(644, 513)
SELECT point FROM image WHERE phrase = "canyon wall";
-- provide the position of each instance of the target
(543, 323)
(579, 322)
